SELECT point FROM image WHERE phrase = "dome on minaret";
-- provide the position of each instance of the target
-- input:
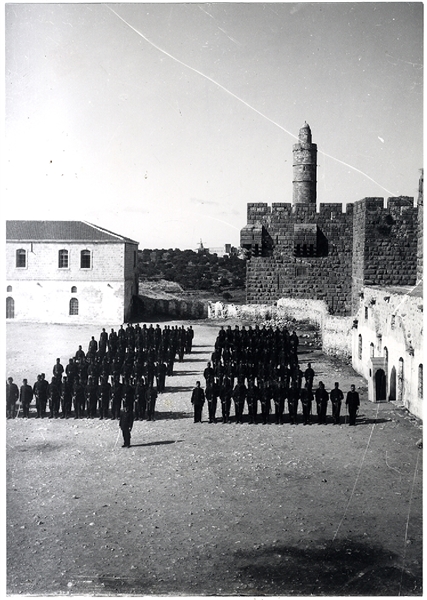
(305, 133)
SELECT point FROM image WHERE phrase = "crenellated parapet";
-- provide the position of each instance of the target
(329, 252)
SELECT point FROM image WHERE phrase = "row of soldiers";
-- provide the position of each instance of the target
(136, 359)
(260, 397)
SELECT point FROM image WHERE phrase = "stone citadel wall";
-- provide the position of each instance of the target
(329, 254)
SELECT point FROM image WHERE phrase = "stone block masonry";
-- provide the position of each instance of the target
(330, 254)
(307, 255)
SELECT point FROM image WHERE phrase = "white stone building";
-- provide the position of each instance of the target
(69, 272)
(388, 344)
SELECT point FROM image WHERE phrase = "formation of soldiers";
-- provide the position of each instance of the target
(124, 369)
(259, 368)
(254, 367)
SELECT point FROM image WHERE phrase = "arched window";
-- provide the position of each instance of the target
(420, 381)
(359, 350)
(63, 259)
(371, 350)
(10, 308)
(74, 306)
(74, 290)
(9, 288)
(21, 258)
(85, 259)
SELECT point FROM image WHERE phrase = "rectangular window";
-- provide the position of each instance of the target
(85, 259)
(63, 259)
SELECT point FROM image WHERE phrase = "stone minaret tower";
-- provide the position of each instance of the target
(305, 165)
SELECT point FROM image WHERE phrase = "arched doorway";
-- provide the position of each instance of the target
(10, 308)
(392, 394)
(380, 386)
(400, 380)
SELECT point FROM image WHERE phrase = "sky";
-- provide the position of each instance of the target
(160, 122)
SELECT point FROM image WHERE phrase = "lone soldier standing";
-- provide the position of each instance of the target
(198, 400)
(337, 397)
(25, 397)
(353, 403)
(126, 424)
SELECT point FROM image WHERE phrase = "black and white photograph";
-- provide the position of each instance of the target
(213, 218)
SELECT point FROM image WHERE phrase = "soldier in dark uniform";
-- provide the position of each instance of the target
(58, 370)
(129, 394)
(208, 373)
(161, 376)
(104, 394)
(265, 397)
(126, 424)
(279, 395)
(212, 393)
(306, 401)
(352, 402)
(78, 398)
(12, 395)
(189, 339)
(198, 400)
(225, 393)
(140, 399)
(25, 397)
(92, 348)
(322, 398)
(103, 341)
(71, 371)
(116, 398)
(91, 393)
(252, 398)
(336, 397)
(66, 396)
(41, 388)
(239, 397)
(309, 376)
(151, 395)
(80, 355)
(54, 395)
(293, 397)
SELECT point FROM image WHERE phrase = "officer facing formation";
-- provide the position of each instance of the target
(198, 400)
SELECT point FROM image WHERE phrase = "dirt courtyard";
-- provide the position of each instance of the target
(209, 509)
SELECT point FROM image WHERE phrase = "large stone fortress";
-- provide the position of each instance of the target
(330, 253)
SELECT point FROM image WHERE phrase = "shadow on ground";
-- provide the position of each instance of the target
(345, 568)
(161, 443)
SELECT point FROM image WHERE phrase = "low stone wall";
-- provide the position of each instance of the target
(337, 336)
(172, 307)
